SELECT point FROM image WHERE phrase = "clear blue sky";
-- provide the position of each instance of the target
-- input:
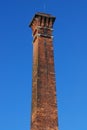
(70, 46)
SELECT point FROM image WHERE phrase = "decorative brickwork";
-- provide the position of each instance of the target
(44, 105)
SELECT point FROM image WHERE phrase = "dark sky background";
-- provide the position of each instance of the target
(70, 50)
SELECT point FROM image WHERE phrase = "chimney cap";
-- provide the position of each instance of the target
(43, 15)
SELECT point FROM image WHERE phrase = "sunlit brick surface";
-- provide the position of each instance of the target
(44, 105)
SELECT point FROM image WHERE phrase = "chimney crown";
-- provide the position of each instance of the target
(42, 19)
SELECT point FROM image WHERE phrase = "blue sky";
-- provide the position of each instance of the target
(70, 46)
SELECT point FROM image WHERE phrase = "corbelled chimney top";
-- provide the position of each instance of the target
(42, 15)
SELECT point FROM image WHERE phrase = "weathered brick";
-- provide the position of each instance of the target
(44, 105)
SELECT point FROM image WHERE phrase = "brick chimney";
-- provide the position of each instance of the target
(44, 104)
